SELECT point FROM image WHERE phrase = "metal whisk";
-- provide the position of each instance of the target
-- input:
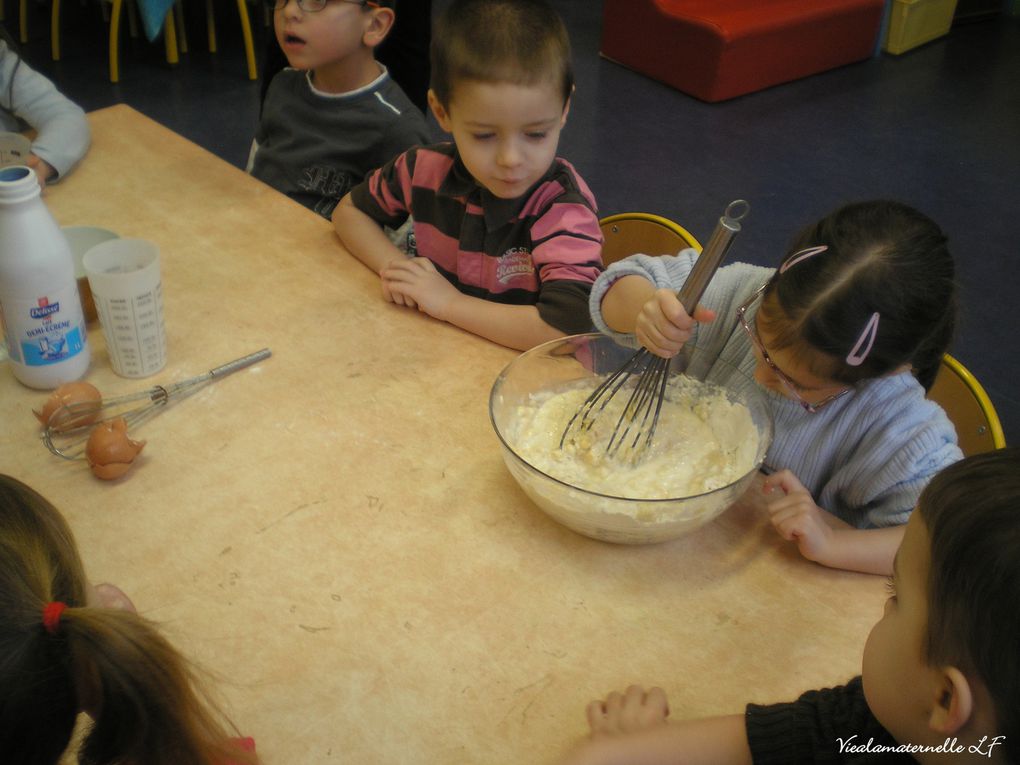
(68, 428)
(640, 415)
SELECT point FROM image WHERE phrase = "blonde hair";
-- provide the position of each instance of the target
(144, 696)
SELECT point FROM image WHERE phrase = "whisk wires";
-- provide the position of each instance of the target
(641, 413)
(635, 427)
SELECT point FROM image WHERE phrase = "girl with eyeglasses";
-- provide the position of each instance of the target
(845, 337)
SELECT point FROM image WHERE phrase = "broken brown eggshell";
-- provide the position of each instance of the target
(71, 405)
(109, 451)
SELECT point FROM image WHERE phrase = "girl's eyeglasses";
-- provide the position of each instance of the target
(790, 385)
(311, 6)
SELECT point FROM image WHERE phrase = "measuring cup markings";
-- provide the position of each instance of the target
(127, 271)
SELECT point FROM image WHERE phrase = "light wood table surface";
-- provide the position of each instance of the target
(333, 531)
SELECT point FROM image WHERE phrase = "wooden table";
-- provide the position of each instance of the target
(333, 531)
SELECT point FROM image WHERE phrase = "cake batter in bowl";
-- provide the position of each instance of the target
(713, 434)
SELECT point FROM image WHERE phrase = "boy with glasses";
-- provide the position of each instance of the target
(335, 114)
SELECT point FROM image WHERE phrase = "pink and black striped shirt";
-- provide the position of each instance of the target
(543, 248)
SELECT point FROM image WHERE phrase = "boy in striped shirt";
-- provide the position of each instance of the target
(505, 239)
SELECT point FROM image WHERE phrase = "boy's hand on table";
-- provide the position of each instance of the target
(417, 283)
(388, 296)
(663, 326)
(634, 710)
(796, 517)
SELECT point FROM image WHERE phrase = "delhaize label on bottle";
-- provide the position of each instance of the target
(46, 330)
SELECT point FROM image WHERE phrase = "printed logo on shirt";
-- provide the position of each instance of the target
(513, 263)
(325, 180)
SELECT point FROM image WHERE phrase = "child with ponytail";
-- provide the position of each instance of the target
(67, 647)
(844, 338)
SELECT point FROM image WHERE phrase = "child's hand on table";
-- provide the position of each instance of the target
(106, 595)
(663, 326)
(619, 724)
(416, 283)
(43, 169)
(797, 518)
(628, 712)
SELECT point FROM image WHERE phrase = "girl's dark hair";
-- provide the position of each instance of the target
(972, 513)
(111, 663)
(881, 258)
(523, 42)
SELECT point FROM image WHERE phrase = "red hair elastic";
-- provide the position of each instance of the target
(51, 616)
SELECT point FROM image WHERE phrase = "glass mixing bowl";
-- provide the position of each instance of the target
(584, 360)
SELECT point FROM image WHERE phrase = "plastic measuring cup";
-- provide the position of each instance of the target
(128, 293)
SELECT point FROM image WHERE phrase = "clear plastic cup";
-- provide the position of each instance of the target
(126, 287)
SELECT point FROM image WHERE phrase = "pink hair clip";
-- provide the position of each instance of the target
(804, 254)
(863, 345)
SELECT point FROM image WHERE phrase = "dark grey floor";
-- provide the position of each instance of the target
(938, 127)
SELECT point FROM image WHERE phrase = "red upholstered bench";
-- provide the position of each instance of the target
(718, 49)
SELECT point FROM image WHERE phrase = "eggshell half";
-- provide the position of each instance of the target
(110, 451)
(58, 410)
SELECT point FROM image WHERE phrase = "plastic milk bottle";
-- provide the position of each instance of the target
(39, 302)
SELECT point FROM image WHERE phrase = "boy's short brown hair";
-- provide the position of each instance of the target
(523, 42)
(972, 513)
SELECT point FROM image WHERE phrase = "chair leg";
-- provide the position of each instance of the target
(23, 21)
(249, 48)
(114, 32)
(132, 8)
(210, 25)
(170, 38)
(55, 31)
(182, 31)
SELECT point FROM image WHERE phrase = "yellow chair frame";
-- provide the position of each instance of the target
(968, 407)
(625, 234)
(169, 34)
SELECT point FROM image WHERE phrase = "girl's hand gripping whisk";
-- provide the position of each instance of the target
(636, 425)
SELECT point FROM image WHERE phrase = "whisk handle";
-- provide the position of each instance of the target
(241, 363)
(713, 254)
(184, 386)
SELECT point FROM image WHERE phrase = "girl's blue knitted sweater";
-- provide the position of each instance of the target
(866, 456)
